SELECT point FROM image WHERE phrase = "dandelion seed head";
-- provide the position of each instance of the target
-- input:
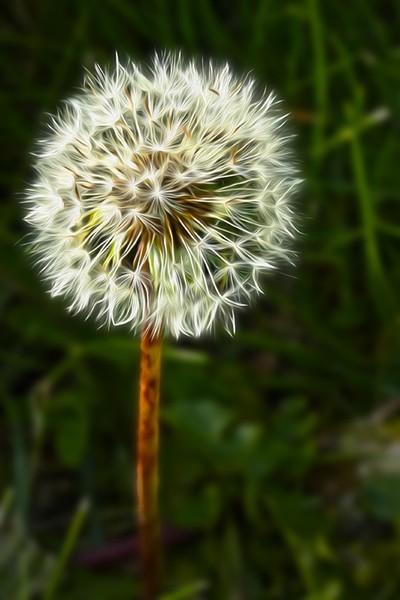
(161, 196)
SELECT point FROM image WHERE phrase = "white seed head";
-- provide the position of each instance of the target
(162, 195)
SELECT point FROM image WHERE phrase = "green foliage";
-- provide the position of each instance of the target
(25, 569)
(68, 424)
(382, 496)
(279, 446)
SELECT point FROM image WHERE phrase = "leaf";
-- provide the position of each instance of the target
(204, 420)
(186, 593)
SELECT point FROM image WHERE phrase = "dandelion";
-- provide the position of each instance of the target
(161, 197)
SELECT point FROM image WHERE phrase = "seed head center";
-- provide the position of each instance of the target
(159, 199)
(156, 199)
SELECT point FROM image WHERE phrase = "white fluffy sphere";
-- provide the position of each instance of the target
(162, 195)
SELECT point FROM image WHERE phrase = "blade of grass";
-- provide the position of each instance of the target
(186, 24)
(73, 532)
(380, 289)
(186, 592)
(216, 33)
(320, 72)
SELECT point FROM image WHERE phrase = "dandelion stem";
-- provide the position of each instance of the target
(147, 466)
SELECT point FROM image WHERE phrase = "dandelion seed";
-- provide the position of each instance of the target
(140, 169)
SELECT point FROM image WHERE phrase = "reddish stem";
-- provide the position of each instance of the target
(147, 466)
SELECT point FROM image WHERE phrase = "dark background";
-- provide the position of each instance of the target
(280, 473)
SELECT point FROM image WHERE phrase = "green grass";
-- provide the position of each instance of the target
(278, 445)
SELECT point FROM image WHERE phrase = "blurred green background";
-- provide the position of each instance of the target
(280, 475)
